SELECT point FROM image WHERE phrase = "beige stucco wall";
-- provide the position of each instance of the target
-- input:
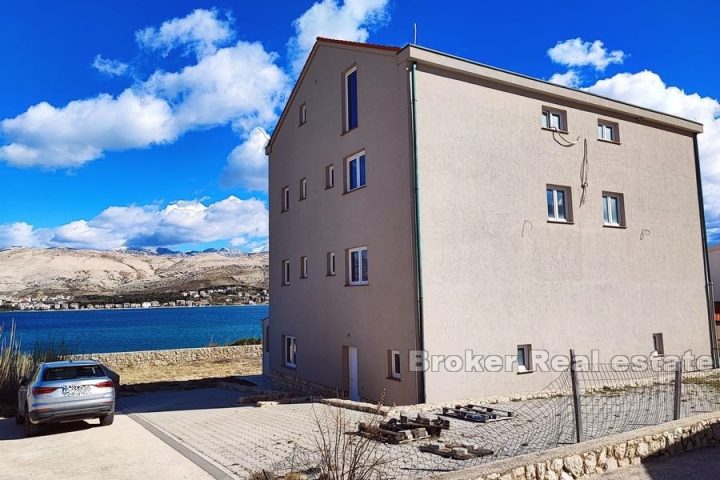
(496, 274)
(714, 257)
(322, 312)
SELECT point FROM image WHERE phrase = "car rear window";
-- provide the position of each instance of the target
(71, 373)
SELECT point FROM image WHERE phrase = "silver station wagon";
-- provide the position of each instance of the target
(66, 391)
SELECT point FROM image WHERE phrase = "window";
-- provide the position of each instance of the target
(351, 101)
(303, 267)
(613, 210)
(329, 176)
(524, 359)
(608, 131)
(559, 204)
(355, 177)
(303, 188)
(290, 351)
(394, 364)
(331, 263)
(285, 272)
(285, 199)
(358, 263)
(658, 346)
(553, 119)
(303, 114)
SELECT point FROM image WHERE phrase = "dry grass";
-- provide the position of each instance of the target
(197, 370)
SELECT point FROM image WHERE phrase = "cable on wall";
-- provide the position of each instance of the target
(584, 168)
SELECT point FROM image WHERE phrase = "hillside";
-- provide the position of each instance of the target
(31, 271)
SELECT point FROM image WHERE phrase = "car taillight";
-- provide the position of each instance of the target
(106, 384)
(43, 390)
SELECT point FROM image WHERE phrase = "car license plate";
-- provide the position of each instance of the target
(75, 390)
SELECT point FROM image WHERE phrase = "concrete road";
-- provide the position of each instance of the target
(698, 464)
(84, 450)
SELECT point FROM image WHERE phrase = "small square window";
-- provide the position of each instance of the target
(285, 272)
(553, 119)
(331, 263)
(355, 172)
(303, 188)
(559, 204)
(613, 209)
(394, 364)
(285, 199)
(358, 266)
(303, 267)
(608, 131)
(658, 345)
(524, 358)
(303, 114)
(290, 351)
(330, 176)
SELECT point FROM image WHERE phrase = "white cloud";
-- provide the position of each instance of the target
(577, 53)
(247, 165)
(242, 223)
(571, 78)
(201, 32)
(349, 21)
(109, 67)
(647, 89)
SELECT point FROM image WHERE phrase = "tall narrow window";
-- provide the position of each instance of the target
(351, 101)
(608, 131)
(658, 346)
(303, 188)
(558, 204)
(524, 361)
(394, 364)
(331, 263)
(285, 199)
(290, 352)
(285, 272)
(303, 267)
(613, 210)
(330, 176)
(303, 114)
(553, 119)
(355, 167)
(358, 266)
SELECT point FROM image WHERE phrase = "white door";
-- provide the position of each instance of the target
(354, 392)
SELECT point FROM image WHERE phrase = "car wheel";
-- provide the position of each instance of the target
(19, 419)
(106, 420)
(30, 428)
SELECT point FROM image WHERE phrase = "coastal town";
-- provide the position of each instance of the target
(227, 295)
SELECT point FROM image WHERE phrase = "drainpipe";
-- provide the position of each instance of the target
(709, 294)
(420, 342)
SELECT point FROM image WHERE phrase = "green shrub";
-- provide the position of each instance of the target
(245, 341)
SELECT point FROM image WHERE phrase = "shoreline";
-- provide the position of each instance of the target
(130, 308)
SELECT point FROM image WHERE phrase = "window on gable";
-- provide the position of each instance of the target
(329, 176)
(303, 114)
(358, 266)
(553, 119)
(331, 263)
(303, 188)
(658, 345)
(355, 172)
(285, 199)
(351, 100)
(613, 209)
(285, 272)
(559, 204)
(394, 364)
(303, 267)
(608, 131)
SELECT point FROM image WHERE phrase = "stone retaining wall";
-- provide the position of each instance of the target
(172, 357)
(601, 455)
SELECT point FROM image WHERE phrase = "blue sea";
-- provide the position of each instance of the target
(99, 331)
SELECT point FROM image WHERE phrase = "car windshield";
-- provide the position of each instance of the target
(71, 373)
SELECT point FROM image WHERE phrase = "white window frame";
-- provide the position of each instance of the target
(546, 116)
(290, 351)
(614, 131)
(611, 221)
(330, 176)
(285, 272)
(285, 198)
(354, 171)
(303, 188)
(555, 218)
(527, 354)
(350, 252)
(658, 341)
(346, 94)
(303, 114)
(331, 271)
(395, 368)
(304, 267)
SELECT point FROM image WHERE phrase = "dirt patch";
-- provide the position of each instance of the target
(195, 370)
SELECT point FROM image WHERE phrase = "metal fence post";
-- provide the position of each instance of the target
(576, 397)
(677, 391)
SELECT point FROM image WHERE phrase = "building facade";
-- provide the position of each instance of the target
(426, 210)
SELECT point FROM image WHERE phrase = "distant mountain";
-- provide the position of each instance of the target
(32, 271)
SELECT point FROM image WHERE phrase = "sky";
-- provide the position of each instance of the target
(142, 124)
